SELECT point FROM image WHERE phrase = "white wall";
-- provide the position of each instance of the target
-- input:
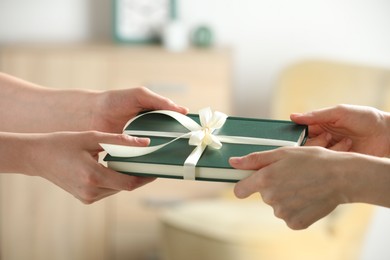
(266, 36)
(270, 34)
(42, 20)
(376, 244)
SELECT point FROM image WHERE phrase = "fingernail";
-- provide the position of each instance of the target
(235, 160)
(240, 193)
(185, 109)
(142, 140)
(297, 114)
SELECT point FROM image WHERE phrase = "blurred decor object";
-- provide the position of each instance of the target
(175, 34)
(232, 229)
(139, 21)
(202, 36)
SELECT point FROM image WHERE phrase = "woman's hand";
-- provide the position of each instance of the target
(115, 107)
(69, 160)
(367, 128)
(302, 184)
(35, 109)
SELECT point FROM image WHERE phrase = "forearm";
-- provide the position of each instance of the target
(366, 179)
(15, 153)
(27, 107)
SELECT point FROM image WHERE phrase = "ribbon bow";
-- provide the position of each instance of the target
(209, 122)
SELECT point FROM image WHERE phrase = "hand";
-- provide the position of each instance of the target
(35, 109)
(114, 108)
(69, 160)
(367, 128)
(302, 184)
(111, 110)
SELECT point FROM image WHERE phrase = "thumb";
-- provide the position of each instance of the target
(321, 116)
(254, 161)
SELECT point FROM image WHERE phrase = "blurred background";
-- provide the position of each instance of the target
(253, 58)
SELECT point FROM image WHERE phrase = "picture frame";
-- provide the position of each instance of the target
(139, 21)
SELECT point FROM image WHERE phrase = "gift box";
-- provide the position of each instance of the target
(198, 146)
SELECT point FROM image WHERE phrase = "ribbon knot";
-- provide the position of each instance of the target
(209, 122)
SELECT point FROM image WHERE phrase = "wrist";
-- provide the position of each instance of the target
(365, 179)
(34, 108)
(342, 169)
(69, 110)
(16, 153)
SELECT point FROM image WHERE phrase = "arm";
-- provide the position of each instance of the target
(304, 184)
(69, 160)
(31, 108)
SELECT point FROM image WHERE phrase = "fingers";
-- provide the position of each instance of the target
(148, 100)
(254, 161)
(311, 214)
(246, 187)
(91, 196)
(298, 217)
(257, 162)
(315, 121)
(343, 146)
(325, 140)
(94, 138)
(102, 182)
(96, 181)
(113, 180)
(322, 140)
(124, 139)
(315, 130)
(325, 115)
(118, 181)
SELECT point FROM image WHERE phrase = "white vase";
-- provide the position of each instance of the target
(175, 36)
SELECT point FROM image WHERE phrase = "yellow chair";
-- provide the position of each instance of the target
(314, 84)
(231, 229)
(224, 229)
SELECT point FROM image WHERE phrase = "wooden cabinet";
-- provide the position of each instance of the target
(40, 221)
(195, 78)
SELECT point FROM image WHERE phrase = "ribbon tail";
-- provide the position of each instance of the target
(191, 161)
(129, 151)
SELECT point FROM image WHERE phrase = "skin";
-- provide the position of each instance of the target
(55, 134)
(367, 128)
(344, 161)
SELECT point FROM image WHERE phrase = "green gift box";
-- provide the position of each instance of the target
(169, 161)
